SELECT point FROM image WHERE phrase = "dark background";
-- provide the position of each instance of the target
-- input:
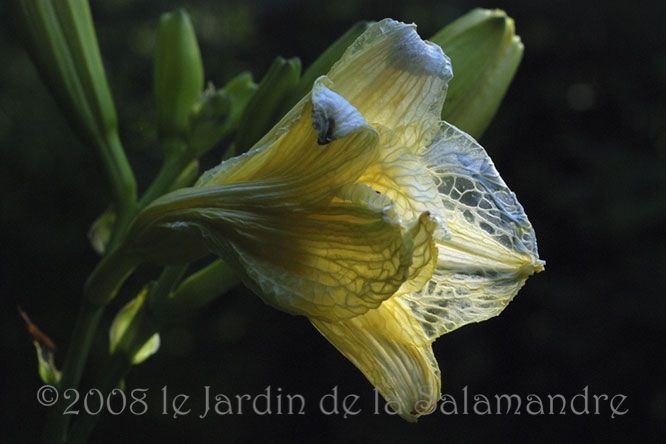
(580, 138)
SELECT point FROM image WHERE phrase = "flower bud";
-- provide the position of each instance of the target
(45, 352)
(485, 54)
(217, 113)
(178, 76)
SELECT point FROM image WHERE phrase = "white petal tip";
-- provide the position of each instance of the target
(333, 117)
(414, 54)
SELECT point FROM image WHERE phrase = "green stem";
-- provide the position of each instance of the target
(120, 363)
(171, 169)
(121, 177)
(105, 280)
(115, 371)
(100, 288)
(84, 332)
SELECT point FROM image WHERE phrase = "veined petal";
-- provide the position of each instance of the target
(395, 79)
(306, 238)
(483, 210)
(334, 263)
(289, 172)
(389, 346)
(291, 155)
(492, 248)
(402, 176)
(424, 254)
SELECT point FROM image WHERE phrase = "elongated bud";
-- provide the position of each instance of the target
(217, 113)
(178, 74)
(485, 53)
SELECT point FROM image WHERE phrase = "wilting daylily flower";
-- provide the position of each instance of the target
(364, 212)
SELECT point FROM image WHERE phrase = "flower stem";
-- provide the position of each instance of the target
(105, 280)
(121, 177)
(171, 169)
(115, 370)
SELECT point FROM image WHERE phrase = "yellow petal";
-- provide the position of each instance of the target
(395, 79)
(333, 263)
(389, 346)
(492, 248)
(402, 176)
(290, 161)
(305, 237)
(424, 254)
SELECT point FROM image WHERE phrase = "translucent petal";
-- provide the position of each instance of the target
(395, 79)
(478, 202)
(290, 175)
(306, 238)
(402, 176)
(424, 255)
(388, 345)
(291, 155)
(333, 263)
(492, 248)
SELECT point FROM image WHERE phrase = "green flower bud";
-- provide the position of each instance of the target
(265, 107)
(179, 75)
(485, 53)
(217, 113)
